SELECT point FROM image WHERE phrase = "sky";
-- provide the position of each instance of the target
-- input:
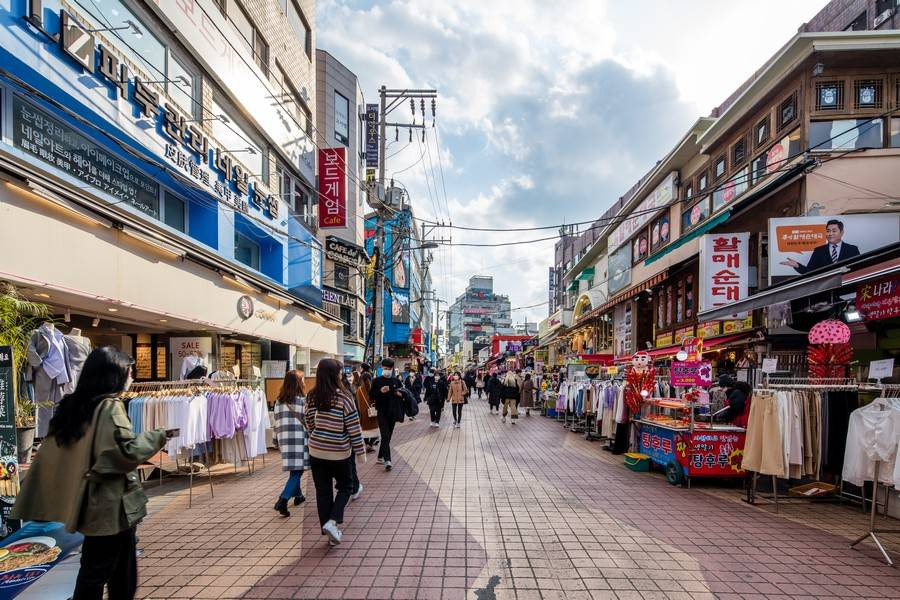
(547, 112)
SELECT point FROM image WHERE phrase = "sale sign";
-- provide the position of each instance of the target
(332, 187)
(691, 373)
(879, 299)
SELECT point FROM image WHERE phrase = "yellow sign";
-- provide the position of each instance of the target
(709, 329)
(683, 333)
(736, 326)
(664, 340)
(612, 370)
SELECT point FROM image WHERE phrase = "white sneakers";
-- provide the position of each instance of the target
(387, 465)
(503, 420)
(435, 424)
(380, 461)
(331, 530)
(358, 492)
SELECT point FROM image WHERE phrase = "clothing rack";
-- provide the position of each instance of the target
(874, 531)
(797, 383)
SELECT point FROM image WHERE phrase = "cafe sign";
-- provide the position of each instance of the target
(338, 297)
(344, 252)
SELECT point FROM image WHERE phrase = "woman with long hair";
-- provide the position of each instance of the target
(457, 396)
(334, 434)
(84, 476)
(368, 417)
(290, 431)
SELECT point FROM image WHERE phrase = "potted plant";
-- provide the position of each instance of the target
(18, 318)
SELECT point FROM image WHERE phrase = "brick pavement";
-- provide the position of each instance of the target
(492, 511)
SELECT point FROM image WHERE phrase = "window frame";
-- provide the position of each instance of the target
(307, 38)
(721, 160)
(253, 246)
(793, 101)
(737, 163)
(766, 124)
(164, 210)
(702, 181)
(257, 39)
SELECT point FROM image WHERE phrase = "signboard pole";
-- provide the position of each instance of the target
(9, 456)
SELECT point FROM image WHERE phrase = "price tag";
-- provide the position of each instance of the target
(881, 369)
(770, 365)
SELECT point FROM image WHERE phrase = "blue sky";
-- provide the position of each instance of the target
(547, 111)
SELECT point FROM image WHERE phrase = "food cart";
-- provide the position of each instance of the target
(685, 448)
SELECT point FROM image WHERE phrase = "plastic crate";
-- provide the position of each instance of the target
(637, 462)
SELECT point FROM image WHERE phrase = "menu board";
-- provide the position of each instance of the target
(59, 145)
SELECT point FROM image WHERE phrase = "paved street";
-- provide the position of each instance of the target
(495, 511)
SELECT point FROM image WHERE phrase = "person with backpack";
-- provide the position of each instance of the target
(386, 394)
(334, 435)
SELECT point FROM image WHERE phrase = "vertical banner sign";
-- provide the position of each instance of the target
(9, 459)
(723, 269)
(371, 135)
(332, 187)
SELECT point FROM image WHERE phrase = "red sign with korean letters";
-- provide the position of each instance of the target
(711, 454)
(332, 187)
(723, 269)
(879, 299)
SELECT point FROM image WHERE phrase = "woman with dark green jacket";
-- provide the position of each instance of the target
(84, 476)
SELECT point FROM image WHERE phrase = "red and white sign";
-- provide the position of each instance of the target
(691, 373)
(724, 275)
(332, 187)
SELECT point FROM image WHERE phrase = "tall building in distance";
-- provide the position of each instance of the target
(339, 131)
(477, 315)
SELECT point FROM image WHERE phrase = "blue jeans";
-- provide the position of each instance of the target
(292, 487)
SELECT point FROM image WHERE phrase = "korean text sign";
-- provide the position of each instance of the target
(879, 299)
(724, 270)
(691, 373)
(332, 187)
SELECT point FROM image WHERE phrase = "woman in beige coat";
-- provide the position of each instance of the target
(84, 476)
(457, 397)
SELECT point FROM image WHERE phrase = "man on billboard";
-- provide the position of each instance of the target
(835, 250)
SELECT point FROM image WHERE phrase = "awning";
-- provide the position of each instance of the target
(586, 274)
(665, 352)
(792, 290)
(726, 340)
(887, 267)
(573, 286)
(690, 236)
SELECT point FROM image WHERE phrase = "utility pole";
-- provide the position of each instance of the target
(381, 211)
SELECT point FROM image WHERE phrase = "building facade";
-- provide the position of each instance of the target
(477, 315)
(339, 109)
(725, 238)
(141, 142)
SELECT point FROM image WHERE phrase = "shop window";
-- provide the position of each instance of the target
(860, 23)
(346, 318)
(719, 167)
(659, 232)
(670, 305)
(761, 132)
(688, 192)
(342, 277)
(239, 144)
(695, 215)
(174, 212)
(689, 297)
(895, 132)
(661, 309)
(787, 111)
(679, 302)
(246, 251)
(738, 153)
(830, 95)
(845, 134)
(297, 195)
(867, 93)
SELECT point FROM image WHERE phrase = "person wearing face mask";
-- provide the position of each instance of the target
(386, 394)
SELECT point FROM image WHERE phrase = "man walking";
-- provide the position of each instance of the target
(387, 396)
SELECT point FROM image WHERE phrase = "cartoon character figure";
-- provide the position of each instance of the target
(639, 381)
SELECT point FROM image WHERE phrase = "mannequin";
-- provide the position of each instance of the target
(79, 348)
(48, 371)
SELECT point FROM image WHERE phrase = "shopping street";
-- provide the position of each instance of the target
(499, 511)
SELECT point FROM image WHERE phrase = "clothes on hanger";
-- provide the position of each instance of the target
(47, 371)
(873, 435)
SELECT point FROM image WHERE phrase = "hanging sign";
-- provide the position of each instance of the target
(770, 365)
(9, 457)
(372, 135)
(881, 369)
(691, 373)
(332, 187)
(724, 275)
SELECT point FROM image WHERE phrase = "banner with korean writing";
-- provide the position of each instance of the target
(879, 299)
(372, 135)
(724, 270)
(332, 187)
(691, 373)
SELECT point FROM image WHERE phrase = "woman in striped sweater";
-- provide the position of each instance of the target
(334, 433)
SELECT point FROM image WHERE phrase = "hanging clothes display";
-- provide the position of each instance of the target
(47, 371)
(79, 347)
(873, 435)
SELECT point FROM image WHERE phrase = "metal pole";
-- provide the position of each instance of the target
(378, 300)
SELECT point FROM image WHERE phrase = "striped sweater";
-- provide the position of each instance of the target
(334, 433)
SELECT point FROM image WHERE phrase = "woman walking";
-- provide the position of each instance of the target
(368, 416)
(434, 400)
(334, 434)
(84, 476)
(528, 394)
(479, 385)
(290, 431)
(495, 393)
(457, 395)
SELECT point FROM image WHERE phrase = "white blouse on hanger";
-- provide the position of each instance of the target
(873, 435)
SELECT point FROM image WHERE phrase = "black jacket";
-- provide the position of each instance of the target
(443, 388)
(389, 403)
(494, 390)
(821, 256)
